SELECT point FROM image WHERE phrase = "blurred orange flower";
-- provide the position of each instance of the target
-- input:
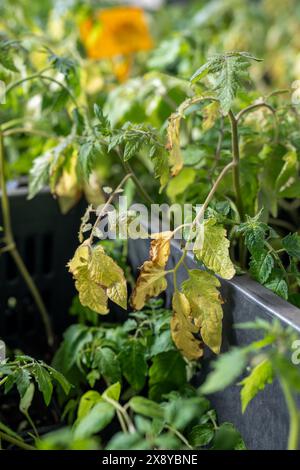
(116, 31)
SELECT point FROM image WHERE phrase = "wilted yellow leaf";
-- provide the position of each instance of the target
(205, 303)
(79, 259)
(173, 145)
(97, 278)
(103, 268)
(91, 294)
(183, 330)
(211, 113)
(214, 252)
(160, 248)
(151, 281)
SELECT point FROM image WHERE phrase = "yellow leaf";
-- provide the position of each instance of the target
(151, 281)
(97, 278)
(118, 293)
(173, 145)
(91, 294)
(211, 113)
(205, 303)
(181, 182)
(214, 252)
(183, 330)
(103, 268)
(79, 259)
(160, 248)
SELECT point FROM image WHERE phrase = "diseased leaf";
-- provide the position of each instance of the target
(97, 278)
(289, 172)
(181, 182)
(183, 329)
(214, 252)
(173, 145)
(151, 281)
(205, 303)
(260, 376)
(91, 294)
(210, 114)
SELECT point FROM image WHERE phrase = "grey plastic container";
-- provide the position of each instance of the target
(265, 423)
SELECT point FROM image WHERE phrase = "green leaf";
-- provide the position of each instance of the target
(181, 182)
(261, 266)
(279, 286)
(227, 438)
(291, 243)
(180, 412)
(167, 373)
(113, 391)
(59, 378)
(226, 369)
(108, 365)
(134, 364)
(146, 407)
(22, 379)
(122, 441)
(26, 399)
(7, 50)
(43, 380)
(95, 420)
(261, 375)
(87, 402)
(201, 435)
(229, 71)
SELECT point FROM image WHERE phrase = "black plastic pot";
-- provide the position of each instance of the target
(46, 240)
(265, 423)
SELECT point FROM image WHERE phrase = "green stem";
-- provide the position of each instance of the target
(180, 436)
(16, 442)
(293, 438)
(40, 76)
(236, 161)
(10, 243)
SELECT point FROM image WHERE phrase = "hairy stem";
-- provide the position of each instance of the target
(11, 247)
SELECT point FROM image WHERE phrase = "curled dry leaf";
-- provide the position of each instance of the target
(97, 278)
(214, 250)
(183, 329)
(173, 145)
(205, 303)
(151, 281)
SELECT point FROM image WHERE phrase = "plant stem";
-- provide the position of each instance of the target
(16, 442)
(180, 436)
(236, 161)
(200, 214)
(11, 247)
(293, 439)
(124, 413)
